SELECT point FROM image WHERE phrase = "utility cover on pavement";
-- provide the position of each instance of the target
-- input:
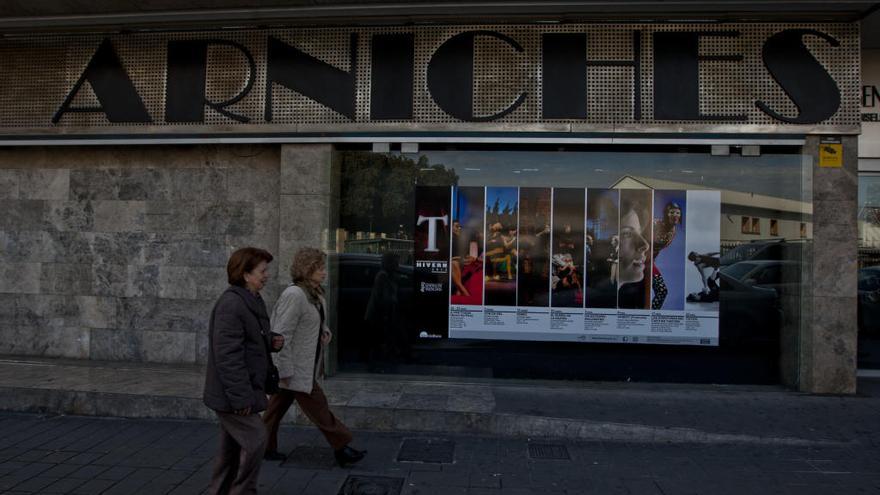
(440, 450)
(310, 457)
(371, 485)
(548, 451)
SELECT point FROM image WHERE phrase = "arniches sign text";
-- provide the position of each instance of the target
(770, 77)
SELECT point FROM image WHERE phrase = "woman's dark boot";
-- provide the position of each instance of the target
(348, 455)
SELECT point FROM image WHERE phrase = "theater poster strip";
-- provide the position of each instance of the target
(568, 264)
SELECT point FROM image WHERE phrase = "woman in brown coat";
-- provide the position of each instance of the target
(300, 318)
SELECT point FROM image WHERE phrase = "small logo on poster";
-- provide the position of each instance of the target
(431, 287)
(433, 266)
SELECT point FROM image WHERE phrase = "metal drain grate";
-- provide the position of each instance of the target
(371, 485)
(438, 450)
(548, 451)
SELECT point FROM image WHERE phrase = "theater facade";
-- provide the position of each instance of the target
(655, 201)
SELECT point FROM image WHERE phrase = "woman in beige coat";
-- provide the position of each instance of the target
(299, 316)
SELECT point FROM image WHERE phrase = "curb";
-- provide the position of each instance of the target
(50, 401)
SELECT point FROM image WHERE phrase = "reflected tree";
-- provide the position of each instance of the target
(378, 190)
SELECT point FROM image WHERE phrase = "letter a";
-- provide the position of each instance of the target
(119, 99)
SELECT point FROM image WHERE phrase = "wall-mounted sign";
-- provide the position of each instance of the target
(869, 140)
(562, 78)
(830, 152)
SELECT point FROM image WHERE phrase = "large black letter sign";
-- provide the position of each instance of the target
(677, 75)
(803, 78)
(305, 74)
(119, 99)
(391, 82)
(451, 76)
(185, 81)
(564, 75)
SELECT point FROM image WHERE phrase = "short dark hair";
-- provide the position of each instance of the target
(243, 261)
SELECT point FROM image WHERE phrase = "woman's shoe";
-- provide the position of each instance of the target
(274, 455)
(348, 455)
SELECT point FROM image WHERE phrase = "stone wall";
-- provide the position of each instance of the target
(118, 253)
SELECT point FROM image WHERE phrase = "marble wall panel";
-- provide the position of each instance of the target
(20, 278)
(69, 247)
(171, 216)
(119, 216)
(44, 183)
(306, 169)
(197, 250)
(23, 245)
(45, 341)
(22, 214)
(97, 312)
(43, 311)
(161, 314)
(253, 184)
(118, 248)
(9, 180)
(66, 278)
(70, 215)
(94, 243)
(199, 184)
(156, 347)
(235, 218)
(145, 184)
(95, 184)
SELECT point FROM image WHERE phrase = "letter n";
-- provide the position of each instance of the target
(314, 79)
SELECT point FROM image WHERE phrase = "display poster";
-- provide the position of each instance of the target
(567, 264)
(431, 260)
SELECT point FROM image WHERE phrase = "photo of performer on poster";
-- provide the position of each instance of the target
(703, 247)
(634, 250)
(566, 280)
(533, 285)
(601, 247)
(501, 245)
(466, 264)
(667, 274)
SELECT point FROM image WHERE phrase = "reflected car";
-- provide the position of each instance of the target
(763, 250)
(783, 276)
(357, 273)
(869, 301)
(752, 312)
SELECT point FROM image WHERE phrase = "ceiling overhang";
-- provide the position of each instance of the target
(71, 15)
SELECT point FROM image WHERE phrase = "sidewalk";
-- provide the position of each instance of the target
(574, 411)
(111, 456)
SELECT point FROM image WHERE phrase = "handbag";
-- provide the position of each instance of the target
(272, 379)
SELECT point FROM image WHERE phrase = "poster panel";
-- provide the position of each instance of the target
(533, 274)
(668, 250)
(623, 266)
(566, 279)
(601, 250)
(431, 240)
(501, 245)
(602, 237)
(467, 246)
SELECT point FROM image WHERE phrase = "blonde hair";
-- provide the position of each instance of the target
(305, 261)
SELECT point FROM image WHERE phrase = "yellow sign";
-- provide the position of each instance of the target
(830, 153)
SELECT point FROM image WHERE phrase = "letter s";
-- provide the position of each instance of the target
(801, 76)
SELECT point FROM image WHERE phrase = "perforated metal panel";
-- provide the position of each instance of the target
(39, 71)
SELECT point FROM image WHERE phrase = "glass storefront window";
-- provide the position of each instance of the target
(869, 270)
(645, 263)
